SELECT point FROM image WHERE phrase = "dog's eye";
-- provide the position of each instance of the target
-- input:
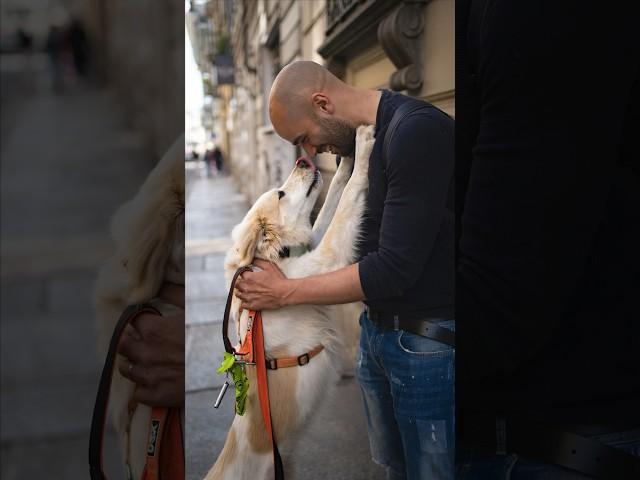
(280, 194)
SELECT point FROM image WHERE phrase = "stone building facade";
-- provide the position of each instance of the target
(404, 45)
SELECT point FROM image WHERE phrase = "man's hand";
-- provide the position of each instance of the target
(153, 347)
(265, 290)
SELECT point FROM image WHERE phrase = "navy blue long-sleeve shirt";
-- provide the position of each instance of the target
(406, 251)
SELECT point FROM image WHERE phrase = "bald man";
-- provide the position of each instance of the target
(404, 273)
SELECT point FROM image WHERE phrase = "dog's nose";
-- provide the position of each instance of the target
(304, 162)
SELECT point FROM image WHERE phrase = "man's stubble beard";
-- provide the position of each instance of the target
(339, 134)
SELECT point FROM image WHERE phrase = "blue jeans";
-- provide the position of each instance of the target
(407, 384)
(474, 465)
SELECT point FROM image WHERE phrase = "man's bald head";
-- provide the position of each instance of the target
(298, 81)
(309, 106)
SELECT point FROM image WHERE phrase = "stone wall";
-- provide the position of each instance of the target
(268, 34)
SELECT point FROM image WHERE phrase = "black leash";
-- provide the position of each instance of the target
(227, 310)
(100, 408)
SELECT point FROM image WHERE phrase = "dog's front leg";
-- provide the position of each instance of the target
(338, 244)
(338, 183)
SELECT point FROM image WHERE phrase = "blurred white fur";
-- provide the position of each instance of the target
(149, 235)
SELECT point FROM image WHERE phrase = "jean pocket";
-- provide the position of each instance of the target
(433, 436)
(419, 345)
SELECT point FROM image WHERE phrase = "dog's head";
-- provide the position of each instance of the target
(279, 218)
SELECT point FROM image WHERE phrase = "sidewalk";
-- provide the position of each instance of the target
(68, 161)
(336, 445)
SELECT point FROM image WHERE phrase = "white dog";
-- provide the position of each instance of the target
(149, 236)
(279, 219)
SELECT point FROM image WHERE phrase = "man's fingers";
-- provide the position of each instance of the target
(130, 370)
(266, 265)
(145, 324)
(263, 264)
(129, 343)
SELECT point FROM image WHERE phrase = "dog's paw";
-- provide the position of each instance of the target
(365, 133)
(364, 146)
(345, 168)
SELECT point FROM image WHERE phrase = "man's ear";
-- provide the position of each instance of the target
(322, 103)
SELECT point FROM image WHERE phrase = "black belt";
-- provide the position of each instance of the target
(549, 445)
(424, 326)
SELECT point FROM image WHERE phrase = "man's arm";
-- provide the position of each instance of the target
(419, 175)
(270, 289)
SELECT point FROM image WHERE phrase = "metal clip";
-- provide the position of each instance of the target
(244, 362)
(225, 386)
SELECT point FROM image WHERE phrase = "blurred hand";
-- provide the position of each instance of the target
(153, 351)
(265, 290)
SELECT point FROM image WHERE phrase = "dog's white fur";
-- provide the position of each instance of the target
(149, 235)
(271, 224)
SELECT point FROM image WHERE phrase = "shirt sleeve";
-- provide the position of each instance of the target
(419, 174)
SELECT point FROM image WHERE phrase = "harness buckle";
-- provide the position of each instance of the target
(305, 357)
(272, 364)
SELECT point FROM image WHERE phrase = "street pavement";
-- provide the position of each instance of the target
(335, 443)
(68, 161)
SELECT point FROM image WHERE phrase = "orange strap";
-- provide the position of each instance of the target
(263, 389)
(298, 361)
(165, 449)
(252, 350)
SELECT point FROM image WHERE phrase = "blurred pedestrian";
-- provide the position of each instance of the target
(79, 47)
(208, 159)
(25, 39)
(218, 158)
(55, 50)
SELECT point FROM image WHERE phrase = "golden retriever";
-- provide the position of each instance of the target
(149, 237)
(278, 219)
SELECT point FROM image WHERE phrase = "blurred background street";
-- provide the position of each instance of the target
(54, 237)
(77, 140)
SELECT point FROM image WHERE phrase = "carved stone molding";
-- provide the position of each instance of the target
(400, 35)
(351, 26)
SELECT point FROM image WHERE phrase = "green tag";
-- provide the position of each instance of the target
(227, 362)
(240, 380)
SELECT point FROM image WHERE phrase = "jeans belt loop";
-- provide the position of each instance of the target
(396, 323)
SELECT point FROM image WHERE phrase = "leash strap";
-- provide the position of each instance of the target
(165, 430)
(263, 390)
(227, 310)
(99, 417)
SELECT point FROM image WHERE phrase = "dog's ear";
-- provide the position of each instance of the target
(246, 236)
